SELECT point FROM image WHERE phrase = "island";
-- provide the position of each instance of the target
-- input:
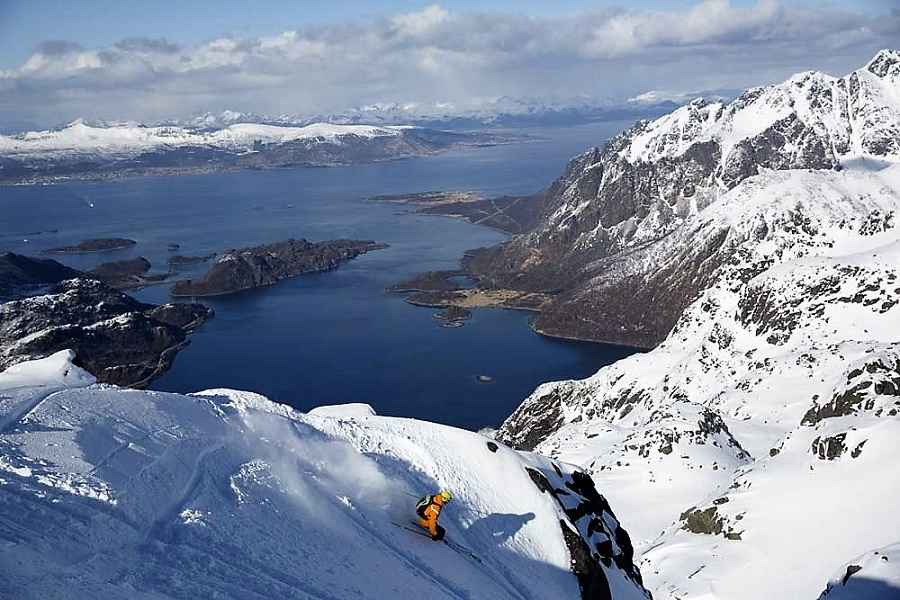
(93, 245)
(267, 264)
(453, 316)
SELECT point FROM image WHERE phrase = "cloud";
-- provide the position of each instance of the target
(434, 55)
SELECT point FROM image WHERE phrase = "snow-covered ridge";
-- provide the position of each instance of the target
(110, 492)
(128, 139)
(856, 115)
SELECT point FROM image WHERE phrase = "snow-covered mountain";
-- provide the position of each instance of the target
(108, 492)
(98, 150)
(753, 453)
(618, 246)
(123, 140)
(502, 111)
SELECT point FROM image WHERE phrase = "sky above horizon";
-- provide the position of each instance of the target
(107, 59)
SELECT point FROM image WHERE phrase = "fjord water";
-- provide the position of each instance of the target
(335, 337)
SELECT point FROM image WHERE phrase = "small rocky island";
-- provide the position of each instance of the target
(267, 264)
(93, 245)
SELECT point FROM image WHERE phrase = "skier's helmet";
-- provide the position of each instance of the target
(446, 496)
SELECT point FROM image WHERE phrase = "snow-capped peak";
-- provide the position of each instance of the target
(816, 114)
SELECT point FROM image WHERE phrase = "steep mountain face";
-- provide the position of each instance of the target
(115, 493)
(615, 248)
(753, 451)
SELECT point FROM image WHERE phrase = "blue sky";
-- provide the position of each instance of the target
(60, 60)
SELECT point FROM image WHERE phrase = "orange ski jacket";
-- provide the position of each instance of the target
(432, 512)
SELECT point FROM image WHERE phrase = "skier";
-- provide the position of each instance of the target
(429, 509)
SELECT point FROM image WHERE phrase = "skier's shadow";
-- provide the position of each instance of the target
(499, 527)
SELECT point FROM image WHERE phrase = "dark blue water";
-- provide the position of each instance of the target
(335, 337)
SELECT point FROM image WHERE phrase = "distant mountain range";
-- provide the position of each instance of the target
(95, 151)
(236, 140)
(495, 112)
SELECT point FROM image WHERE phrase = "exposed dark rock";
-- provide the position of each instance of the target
(702, 521)
(264, 265)
(851, 569)
(492, 446)
(829, 448)
(20, 275)
(93, 245)
(708, 522)
(529, 426)
(878, 378)
(611, 193)
(591, 531)
(116, 338)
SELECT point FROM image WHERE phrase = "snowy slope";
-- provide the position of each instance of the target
(753, 453)
(112, 493)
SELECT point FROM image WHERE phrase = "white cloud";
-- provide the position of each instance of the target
(419, 24)
(437, 55)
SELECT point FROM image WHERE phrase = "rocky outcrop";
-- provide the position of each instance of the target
(264, 265)
(116, 338)
(592, 533)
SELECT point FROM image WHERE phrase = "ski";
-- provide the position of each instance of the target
(459, 548)
(408, 528)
